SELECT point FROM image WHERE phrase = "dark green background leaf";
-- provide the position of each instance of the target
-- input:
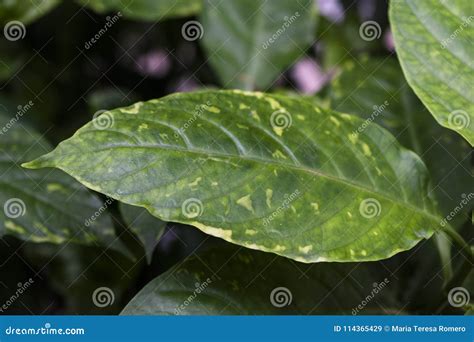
(148, 228)
(251, 42)
(237, 281)
(45, 205)
(25, 11)
(146, 9)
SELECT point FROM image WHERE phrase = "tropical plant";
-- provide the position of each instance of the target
(318, 164)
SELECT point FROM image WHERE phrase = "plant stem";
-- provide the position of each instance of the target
(467, 265)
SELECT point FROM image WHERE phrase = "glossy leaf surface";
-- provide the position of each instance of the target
(268, 172)
(433, 41)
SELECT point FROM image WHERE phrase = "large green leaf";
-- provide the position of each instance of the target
(147, 227)
(45, 205)
(25, 11)
(434, 44)
(236, 281)
(268, 172)
(146, 9)
(375, 90)
(250, 42)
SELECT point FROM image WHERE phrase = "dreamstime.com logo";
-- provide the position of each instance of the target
(281, 297)
(281, 119)
(377, 110)
(200, 287)
(192, 30)
(377, 287)
(110, 21)
(370, 30)
(459, 119)
(99, 212)
(286, 24)
(21, 110)
(465, 201)
(192, 207)
(14, 30)
(370, 208)
(103, 296)
(458, 297)
(103, 119)
(465, 23)
(284, 206)
(46, 330)
(22, 287)
(198, 111)
(14, 208)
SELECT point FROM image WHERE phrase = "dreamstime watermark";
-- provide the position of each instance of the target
(281, 297)
(21, 110)
(103, 119)
(286, 24)
(88, 222)
(459, 119)
(192, 30)
(370, 208)
(110, 21)
(14, 208)
(102, 297)
(465, 201)
(192, 207)
(22, 287)
(14, 30)
(199, 288)
(377, 110)
(465, 23)
(198, 111)
(377, 288)
(281, 119)
(458, 297)
(284, 206)
(46, 330)
(370, 30)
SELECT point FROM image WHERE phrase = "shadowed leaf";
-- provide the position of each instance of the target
(148, 228)
(236, 281)
(45, 205)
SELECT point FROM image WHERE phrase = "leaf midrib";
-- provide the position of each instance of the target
(269, 162)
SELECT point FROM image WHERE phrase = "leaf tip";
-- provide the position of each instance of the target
(29, 165)
(38, 163)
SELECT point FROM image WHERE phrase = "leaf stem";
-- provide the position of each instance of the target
(466, 267)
